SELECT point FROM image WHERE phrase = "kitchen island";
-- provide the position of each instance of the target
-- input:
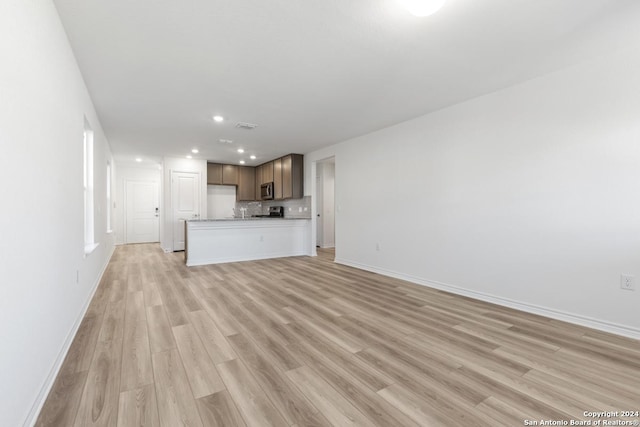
(214, 241)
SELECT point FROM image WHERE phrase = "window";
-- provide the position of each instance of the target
(89, 242)
(108, 197)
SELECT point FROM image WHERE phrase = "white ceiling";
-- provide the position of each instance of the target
(312, 73)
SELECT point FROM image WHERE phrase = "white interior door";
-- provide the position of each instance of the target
(142, 206)
(185, 203)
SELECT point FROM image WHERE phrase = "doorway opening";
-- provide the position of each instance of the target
(325, 207)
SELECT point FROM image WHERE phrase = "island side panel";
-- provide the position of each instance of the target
(213, 242)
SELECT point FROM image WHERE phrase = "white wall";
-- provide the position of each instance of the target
(128, 172)
(221, 201)
(528, 196)
(43, 102)
(171, 164)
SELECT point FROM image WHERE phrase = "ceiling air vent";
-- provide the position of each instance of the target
(248, 126)
(225, 141)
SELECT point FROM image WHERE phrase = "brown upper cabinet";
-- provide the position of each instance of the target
(229, 175)
(292, 176)
(258, 170)
(214, 173)
(246, 184)
(218, 174)
(286, 173)
(277, 179)
(267, 172)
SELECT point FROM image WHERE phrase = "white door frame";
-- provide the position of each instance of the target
(314, 205)
(319, 197)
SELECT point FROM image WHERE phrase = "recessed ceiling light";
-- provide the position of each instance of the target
(252, 157)
(189, 156)
(195, 151)
(422, 7)
(138, 159)
(218, 119)
(240, 150)
(242, 162)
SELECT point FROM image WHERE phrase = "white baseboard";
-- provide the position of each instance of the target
(577, 319)
(32, 417)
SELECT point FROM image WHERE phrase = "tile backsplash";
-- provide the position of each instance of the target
(293, 208)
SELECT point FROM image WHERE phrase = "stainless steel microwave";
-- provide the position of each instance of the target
(266, 191)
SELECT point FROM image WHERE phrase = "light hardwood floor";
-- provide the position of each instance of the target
(306, 342)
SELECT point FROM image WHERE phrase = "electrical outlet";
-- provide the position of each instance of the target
(377, 246)
(627, 282)
(77, 276)
(299, 208)
(262, 238)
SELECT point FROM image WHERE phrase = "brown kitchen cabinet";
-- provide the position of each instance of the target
(229, 175)
(277, 179)
(258, 172)
(246, 184)
(214, 173)
(286, 173)
(292, 176)
(267, 172)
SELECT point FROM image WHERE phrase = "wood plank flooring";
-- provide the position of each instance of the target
(306, 342)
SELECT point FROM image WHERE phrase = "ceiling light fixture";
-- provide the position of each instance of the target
(242, 162)
(138, 159)
(245, 125)
(422, 7)
(195, 151)
(240, 150)
(252, 157)
(218, 119)
(189, 156)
